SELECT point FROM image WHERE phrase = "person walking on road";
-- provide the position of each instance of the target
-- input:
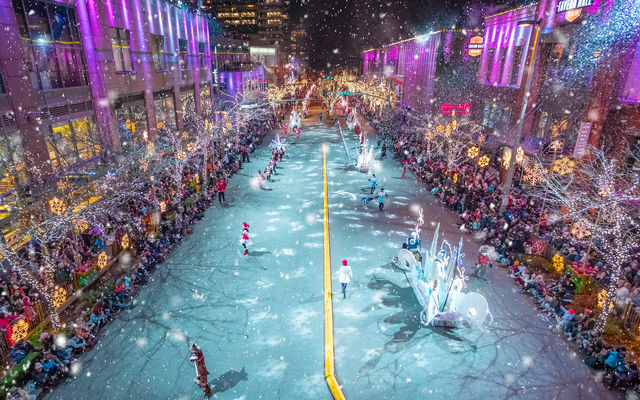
(381, 197)
(373, 183)
(245, 154)
(404, 170)
(344, 276)
(244, 239)
(221, 186)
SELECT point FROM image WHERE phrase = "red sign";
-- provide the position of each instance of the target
(455, 108)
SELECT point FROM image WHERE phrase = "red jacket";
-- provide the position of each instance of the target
(222, 185)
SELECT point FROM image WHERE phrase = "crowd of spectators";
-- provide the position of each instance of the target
(155, 224)
(475, 194)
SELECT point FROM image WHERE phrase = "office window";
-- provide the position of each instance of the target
(184, 57)
(71, 142)
(132, 121)
(201, 55)
(165, 110)
(515, 65)
(121, 45)
(157, 47)
(51, 41)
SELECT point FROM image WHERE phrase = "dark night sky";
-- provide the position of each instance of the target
(340, 29)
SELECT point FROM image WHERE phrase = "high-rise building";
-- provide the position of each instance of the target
(298, 48)
(263, 21)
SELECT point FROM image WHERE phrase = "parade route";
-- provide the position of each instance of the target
(260, 319)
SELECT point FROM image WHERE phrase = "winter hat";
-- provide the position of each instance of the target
(344, 262)
(572, 311)
(588, 312)
(245, 224)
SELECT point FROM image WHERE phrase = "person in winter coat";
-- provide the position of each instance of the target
(344, 276)
(197, 357)
(221, 186)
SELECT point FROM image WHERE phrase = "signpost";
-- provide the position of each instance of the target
(475, 46)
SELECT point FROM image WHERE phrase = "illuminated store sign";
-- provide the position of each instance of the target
(475, 46)
(572, 8)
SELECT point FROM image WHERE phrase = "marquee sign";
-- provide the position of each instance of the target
(572, 8)
(475, 46)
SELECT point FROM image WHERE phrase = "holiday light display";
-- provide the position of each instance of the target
(102, 261)
(19, 330)
(124, 243)
(563, 166)
(600, 200)
(57, 206)
(535, 174)
(59, 297)
(558, 263)
(483, 161)
(473, 151)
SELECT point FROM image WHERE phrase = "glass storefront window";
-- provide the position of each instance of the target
(72, 141)
(157, 48)
(165, 110)
(132, 122)
(12, 168)
(184, 57)
(205, 99)
(188, 101)
(51, 40)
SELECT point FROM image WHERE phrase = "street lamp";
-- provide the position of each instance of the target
(516, 143)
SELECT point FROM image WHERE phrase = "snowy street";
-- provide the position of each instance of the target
(259, 318)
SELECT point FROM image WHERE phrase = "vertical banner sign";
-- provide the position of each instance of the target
(475, 46)
(583, 139)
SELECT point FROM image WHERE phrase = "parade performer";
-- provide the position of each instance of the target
(260, 178)
(483, 261)
(244, 239)
(196, 357)
(297, 133)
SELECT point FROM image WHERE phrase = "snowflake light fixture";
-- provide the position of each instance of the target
(57, 206)
(483, 161)
(535, 174)
(563, 166)
(579, 230)
(558, 263)
(125, 242)
(103, 259)
(473, 152)
(59, 297)
(19, 330)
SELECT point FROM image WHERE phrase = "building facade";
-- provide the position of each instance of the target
(82, 79)
(263, 22)
(429, 72)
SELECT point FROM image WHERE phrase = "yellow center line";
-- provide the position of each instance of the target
(329, 361)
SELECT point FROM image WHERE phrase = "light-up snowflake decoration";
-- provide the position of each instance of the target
(563, 166)
(579, 230)
(535, 174)
(483, 161)
(473, 152)
(558, 263)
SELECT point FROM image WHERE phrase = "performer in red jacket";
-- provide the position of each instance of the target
(222, 186)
